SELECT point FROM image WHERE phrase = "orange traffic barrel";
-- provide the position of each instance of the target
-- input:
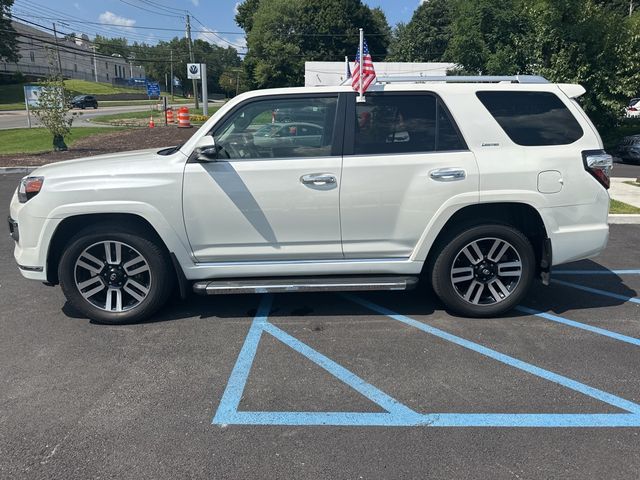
(183, 118)
(169, 115)
(151, 122)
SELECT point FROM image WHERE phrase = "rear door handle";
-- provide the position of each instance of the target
(448, 174)
(318, 179)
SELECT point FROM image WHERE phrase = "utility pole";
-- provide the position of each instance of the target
(95, 64)
(55, 35)
(172, 75)
(195, 82)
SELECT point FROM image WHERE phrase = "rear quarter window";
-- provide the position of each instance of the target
(532, 118)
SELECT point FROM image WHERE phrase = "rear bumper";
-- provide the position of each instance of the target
(578, 231)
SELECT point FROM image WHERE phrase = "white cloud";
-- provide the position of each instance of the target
(235, 8)
(211, 36)
(110, 18)
(195, 2)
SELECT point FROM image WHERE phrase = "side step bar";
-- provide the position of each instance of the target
(304, 284)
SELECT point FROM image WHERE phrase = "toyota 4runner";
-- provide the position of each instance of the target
(477, 185)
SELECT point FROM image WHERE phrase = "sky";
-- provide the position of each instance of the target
(212, 20)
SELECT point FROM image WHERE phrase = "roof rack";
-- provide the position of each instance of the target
(463, 79)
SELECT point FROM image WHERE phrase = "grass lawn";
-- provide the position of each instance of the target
(33, 140)
(621, 207)
(144, 114)
(12, 96)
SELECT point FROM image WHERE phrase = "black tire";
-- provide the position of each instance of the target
(160, 274)
(452, 250)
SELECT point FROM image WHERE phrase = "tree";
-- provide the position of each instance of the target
(245, 12)
(487, 36)
(8, 35)
(285, 34)
(426, 37)
(112, 46)
(53, 109)
(579, 41)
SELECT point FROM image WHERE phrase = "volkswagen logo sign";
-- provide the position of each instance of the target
(193, 69)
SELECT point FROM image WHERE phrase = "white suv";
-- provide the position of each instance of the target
(477, 184)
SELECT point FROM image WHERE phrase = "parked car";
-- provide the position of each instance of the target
(629, 149)
(633, 109)
(277, 135)
(476, 185)
(84, 101)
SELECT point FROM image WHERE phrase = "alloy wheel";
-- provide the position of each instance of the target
(112, 276)
(486, 271)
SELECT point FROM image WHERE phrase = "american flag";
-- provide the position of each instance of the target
(367, 71)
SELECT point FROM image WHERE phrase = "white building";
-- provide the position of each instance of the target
(37, 50)
(334, 73)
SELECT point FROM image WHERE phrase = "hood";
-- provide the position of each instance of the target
(112, 163)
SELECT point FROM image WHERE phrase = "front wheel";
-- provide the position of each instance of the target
(114, 276)
(484, 271)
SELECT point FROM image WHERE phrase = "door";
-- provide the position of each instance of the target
(404, 160)
(273, 193)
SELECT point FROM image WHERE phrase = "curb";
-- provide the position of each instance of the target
(6, 170)
(619, 218)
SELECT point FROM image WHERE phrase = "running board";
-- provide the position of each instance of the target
(315, 284)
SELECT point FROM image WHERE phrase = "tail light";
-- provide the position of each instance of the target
(599, 164)
(632, 109)
(29, 188)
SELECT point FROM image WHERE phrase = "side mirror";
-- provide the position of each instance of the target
(206, 150)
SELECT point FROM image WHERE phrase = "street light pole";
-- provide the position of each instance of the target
(195, 82)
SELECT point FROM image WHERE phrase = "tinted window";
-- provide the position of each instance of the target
(532, 118)
(279, 128)
(403, 124)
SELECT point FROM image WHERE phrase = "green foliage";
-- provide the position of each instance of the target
(233, 80)
(489, 36)
(53, 108)
(113, 46)
(285, 34)
(8, 35)
(157, 65)
(426, 37)
(569, 41)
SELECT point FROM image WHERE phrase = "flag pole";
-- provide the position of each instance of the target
(346, 67)
(360, 51)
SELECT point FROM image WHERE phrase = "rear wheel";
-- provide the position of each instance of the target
(115, 276)
(484, 271)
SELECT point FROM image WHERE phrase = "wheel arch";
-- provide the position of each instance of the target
(519, 215)
(72, 224)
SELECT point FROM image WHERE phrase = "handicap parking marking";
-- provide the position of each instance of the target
(597, 291)
(582, 326)
(398, 414)
(595, 272)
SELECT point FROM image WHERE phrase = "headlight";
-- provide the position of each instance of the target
(29, 188)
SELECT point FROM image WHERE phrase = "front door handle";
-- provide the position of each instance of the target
(318, 179)
(448, 174)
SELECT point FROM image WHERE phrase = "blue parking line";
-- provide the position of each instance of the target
(595, 272)
(583, 326)
(235, 386)
(397, 414)
(372, 393)
(501, 357)
(513, 420)
(597, 291)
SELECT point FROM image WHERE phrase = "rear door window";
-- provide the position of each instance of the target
(392, 123)
(532, 118)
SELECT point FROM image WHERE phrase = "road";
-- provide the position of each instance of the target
(18, 118)
(192, 395)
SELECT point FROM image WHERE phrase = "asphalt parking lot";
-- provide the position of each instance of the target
(371, 386)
